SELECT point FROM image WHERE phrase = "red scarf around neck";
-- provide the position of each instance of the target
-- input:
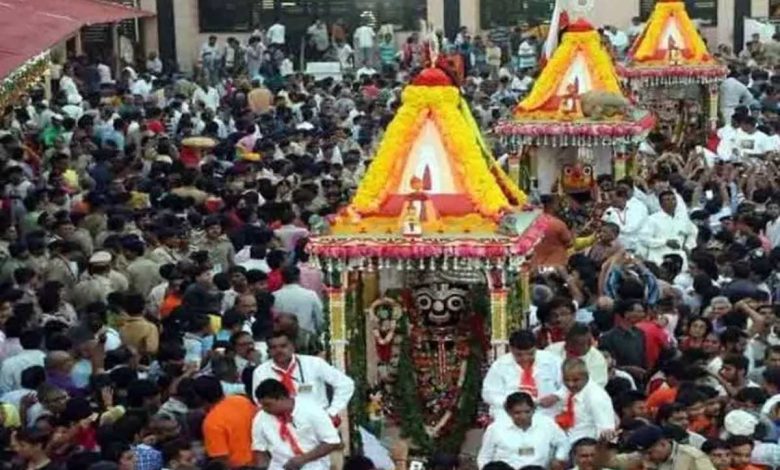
(286, 434)
(286, 376)
(528, 382)
(565, 418)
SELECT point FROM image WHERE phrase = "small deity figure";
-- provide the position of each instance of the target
(570, 102)
(384, 335)
(375, 411)
(412, 225)
(417, 209)
(674, 53)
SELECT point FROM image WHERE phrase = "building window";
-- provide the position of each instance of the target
(515, 12)
(246, 15)
(646, 8)
(406, 14)
(223, 16)
(705, 11)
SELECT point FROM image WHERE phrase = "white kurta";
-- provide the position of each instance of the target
(538, 445)
(504, 378)
(660, 228)
(311, 376)
(593, 413)
(594, 360)
(630, 220)
(310, 427)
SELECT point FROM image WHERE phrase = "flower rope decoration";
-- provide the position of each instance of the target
(21, 79)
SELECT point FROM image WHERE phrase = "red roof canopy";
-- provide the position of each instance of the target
(30, 27)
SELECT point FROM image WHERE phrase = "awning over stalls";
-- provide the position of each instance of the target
(29, 27)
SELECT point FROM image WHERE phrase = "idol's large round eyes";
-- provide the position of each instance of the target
(455, 304)
(587, 170)
(424, 302)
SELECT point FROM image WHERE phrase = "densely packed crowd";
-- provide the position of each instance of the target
(152, 295)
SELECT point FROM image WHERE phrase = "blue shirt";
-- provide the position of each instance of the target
(147, 458)
(117, 137)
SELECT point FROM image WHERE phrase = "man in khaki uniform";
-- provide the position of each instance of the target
(96, 221)
(142, 273)
(136, 331)
(99, 282)
(168, 252)
(655, 450)
(221, 252)
(61, 267)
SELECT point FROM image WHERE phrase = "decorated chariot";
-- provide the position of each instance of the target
(425, 271)
(576, 123)
(671, 72)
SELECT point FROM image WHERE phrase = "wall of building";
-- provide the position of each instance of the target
(617, 13)
(149, 31)
(469, 14)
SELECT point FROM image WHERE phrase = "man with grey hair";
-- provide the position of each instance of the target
(584, 405)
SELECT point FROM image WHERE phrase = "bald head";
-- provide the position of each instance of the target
(60, 361)
(575, 375)
(574, 364)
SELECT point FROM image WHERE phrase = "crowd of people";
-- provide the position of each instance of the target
(154, 298)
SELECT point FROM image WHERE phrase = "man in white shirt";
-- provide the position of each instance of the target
(734, 93)
(153, 64)
(773, 226)
(210, 59)
(667, 233)
(628, 214)
(579, 343)
(345, 55)
(13, 366)
(750, 142)
(523, 369)
(636, 28)
(585, 409)
(299, 301)
(206, 94)
(294, 433)
(618, 39)
(365, 71)
(276, 34)
(727, 134)
(31, 379)
(528, 439)
(104, 72)
(142, 87)
(364, 44)
(305, 376)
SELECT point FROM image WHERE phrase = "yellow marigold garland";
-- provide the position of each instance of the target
(599, 62)
(663, 12)
(458, 139)
(507, 184)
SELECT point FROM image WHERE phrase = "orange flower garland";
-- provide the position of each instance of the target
(599, 62)
(647, 49)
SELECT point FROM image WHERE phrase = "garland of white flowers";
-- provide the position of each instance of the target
(22, 78)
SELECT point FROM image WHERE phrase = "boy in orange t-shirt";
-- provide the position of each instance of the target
(227, 429)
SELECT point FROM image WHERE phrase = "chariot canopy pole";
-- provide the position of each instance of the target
(499, 323)
(337, 325)
(714, 96)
